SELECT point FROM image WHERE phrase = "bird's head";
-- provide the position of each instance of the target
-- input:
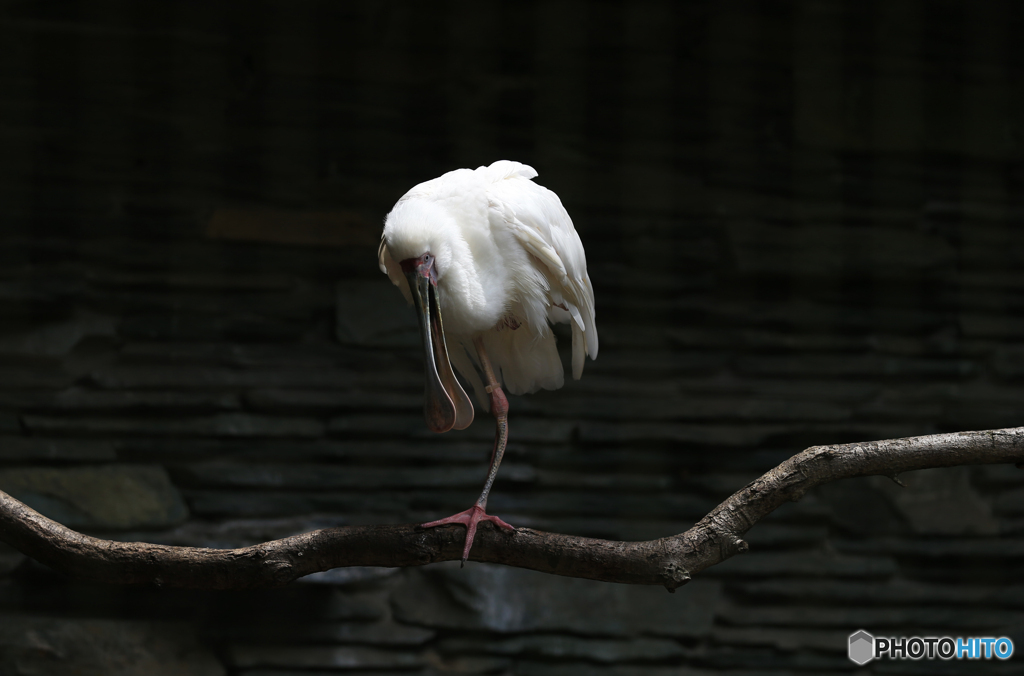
(416, 237)
(418, 230)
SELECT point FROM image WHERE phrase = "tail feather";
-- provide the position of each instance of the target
(523, 360)
(578, 353)
(528, 361)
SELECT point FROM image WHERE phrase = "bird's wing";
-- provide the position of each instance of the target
(543, 227)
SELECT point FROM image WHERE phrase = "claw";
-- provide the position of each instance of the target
(470, 519)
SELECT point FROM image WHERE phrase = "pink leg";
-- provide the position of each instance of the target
(477, 513)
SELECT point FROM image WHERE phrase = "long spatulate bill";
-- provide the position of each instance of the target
(438, 408)
(458, 396)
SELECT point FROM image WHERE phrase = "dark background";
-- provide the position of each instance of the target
(803, 224)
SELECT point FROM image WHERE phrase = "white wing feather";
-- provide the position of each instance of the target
(541, 224)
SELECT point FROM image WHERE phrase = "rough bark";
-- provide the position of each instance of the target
(669, 561)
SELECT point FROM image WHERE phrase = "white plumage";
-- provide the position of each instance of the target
(496, 256)
(508, 262)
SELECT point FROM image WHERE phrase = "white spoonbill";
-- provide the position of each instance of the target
(497, 256)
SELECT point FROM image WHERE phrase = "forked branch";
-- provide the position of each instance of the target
(670, 561)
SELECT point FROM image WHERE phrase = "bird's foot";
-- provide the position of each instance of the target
(469, 518)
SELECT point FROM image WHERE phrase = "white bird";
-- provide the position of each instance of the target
(498, 256)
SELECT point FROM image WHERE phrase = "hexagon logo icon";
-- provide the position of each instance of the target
(862, 647)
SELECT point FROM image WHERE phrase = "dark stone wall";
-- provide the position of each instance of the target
(803, 223)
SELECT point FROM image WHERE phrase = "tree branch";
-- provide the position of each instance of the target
(669, 561)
